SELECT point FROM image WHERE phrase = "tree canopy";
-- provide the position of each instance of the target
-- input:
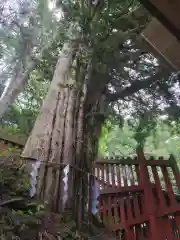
(134, 83)
(126, 73)
(161, 140)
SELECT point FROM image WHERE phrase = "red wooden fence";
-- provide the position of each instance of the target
(139, 196)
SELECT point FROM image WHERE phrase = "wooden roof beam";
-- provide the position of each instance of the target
(167, 12)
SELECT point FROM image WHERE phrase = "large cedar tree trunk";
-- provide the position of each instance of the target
(63, 136)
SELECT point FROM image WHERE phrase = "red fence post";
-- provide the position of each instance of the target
(175, 170)
(129, 234)
(150, 206)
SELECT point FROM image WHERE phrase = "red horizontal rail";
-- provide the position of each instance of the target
(168, 210)
(139, 220)
(126, 189)
(118, 162)
(158, 163)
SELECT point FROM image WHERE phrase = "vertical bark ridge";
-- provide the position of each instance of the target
(79, 155)
(68, 158)
(59, 174)
(45, 170)
(55, 141)
(68, 137)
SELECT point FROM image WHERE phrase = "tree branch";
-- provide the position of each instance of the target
(135, 87)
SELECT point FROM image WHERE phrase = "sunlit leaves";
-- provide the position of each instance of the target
(159, 141)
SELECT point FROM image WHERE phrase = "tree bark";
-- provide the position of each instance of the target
(17, 84)
(53, 138)
(64, 139)
(53, 111)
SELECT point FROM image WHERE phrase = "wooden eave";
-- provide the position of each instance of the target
(167, 12)
(163, 44)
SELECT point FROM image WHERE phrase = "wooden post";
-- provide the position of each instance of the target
(175, 170)
(129, 234)
(150, 206)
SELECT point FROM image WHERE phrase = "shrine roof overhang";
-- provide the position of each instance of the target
(167, 12)
(163, 44)
(162, 35)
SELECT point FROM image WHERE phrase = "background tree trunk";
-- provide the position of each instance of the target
(17, 84)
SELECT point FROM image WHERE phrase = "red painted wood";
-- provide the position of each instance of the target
(136, 207)
(162, 222)
(109, 206)
(129, 234)
(138, 232)
(118, 170)
(168, 186)
(137, 174)
(104, 205)
(174, 227)
(113, 173)
(110, 173)
(175, 170)
(107, 174)
(165, 228)
(98, 172)
(124, 174)
(167, 211)
(139, 220)
(152, 210)
(131, 175)
(119, 161)
(149, 201)
(116, 210)
(122, 211)
(122, 190)
(147, 229)
(161, 162)
(129, 210)
(102, 168)
(144, 232)
(177, 220)
(99, 206)
(153, 228)
(162, 203)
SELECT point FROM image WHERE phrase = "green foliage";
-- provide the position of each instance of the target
(118, 141)
(20, 217)
(159, 141)
(14, 180)
(10, 129)
(104, 133)
(20, 117)
(147, 123)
